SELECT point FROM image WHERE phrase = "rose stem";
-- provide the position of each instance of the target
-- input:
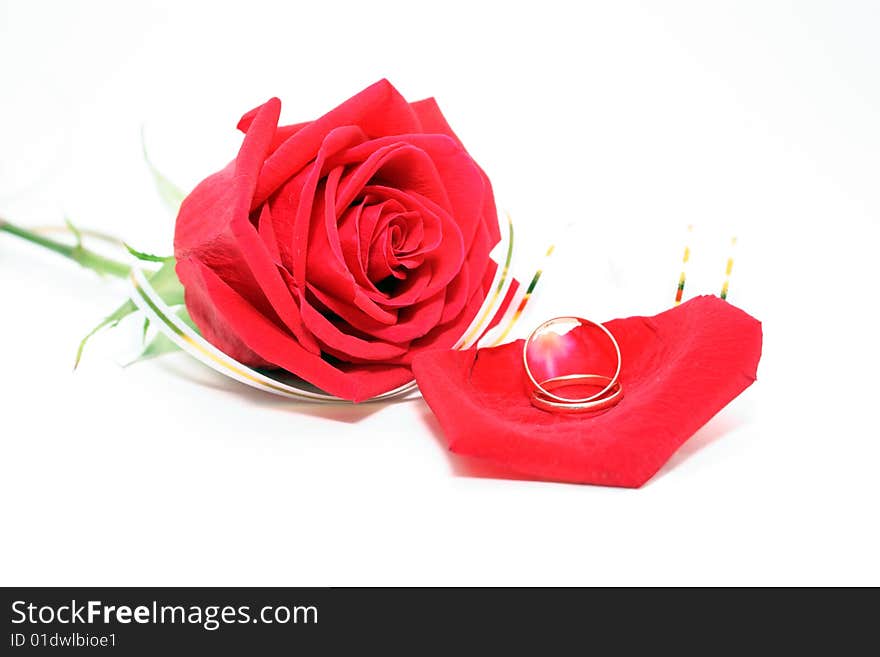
(78, 253)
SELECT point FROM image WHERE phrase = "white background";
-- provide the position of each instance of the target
(613, 125)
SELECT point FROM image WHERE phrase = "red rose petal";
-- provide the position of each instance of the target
(226, 240)
(336, 140)
(679, 369)
(335, 341)
(398, 164)
(450, 332)
(378, 110)
(275, 346)
(432, 119)
(260, 261)
(229, 190)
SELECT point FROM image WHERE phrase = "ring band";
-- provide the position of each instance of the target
(550, 398)
(540, 401)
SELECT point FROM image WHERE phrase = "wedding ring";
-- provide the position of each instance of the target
(612, 398)
(551, 399)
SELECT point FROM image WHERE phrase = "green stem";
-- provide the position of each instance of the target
(77, 253)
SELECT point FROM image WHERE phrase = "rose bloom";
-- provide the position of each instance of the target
(339, 248)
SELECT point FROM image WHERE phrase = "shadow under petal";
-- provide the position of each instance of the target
(337, 411)
(713, 430)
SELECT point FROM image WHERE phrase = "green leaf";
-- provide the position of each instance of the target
(172, 196)
(147, 257)
(110, 320)
(164, 280)
(76, 232)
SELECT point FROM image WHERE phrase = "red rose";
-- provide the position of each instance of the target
(339, 248)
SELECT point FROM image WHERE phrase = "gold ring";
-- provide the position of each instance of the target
(546, 393)
(540, 401)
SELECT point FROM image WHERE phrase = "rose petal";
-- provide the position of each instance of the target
(335, 341)
(336, 140)
(409, 323)
(463, 189)
(390, 162)
(679, 369)
(378, 110)
(273, 345)
(267, 233)
(448, 334)
(209, 209)
(432, 119)
(282, 132)
(224, 238)
(259, 259)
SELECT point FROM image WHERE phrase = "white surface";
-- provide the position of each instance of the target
(626, 120)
